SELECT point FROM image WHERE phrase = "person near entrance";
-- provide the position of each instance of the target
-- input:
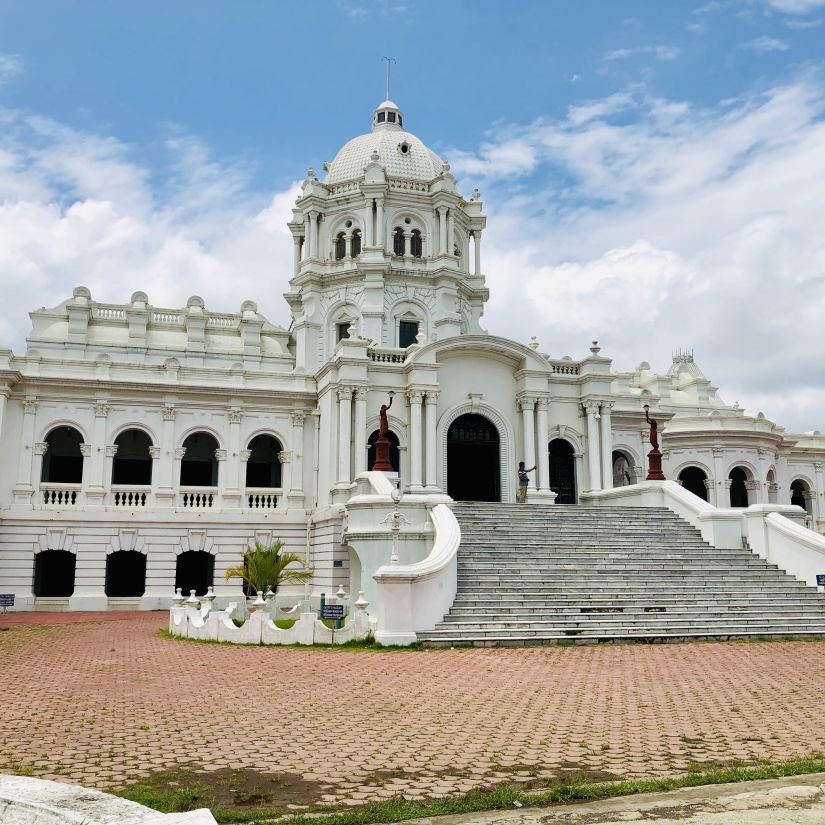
(523, 481)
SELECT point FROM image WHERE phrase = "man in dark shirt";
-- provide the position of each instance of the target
(523, 481)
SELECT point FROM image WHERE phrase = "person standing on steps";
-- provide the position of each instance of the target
(523, 481)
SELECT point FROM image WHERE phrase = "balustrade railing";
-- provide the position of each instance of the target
(130, 497)
(262, 498)
(61, 495)
(198, 498)
(387, 356)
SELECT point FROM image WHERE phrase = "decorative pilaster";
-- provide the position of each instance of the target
(295, 496)
(442, 230)
(167, 477)
(344, 433)
(591, 409)
(477, 249)
(234, 483)
(416, 399)
(28, 470)
(606, 444)
(431, 450)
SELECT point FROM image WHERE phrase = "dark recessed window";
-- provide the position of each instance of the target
(390, 117)
(407, 330)
(356, 243)
(342, 331)
(398, 241)
(400, 122)
(415, 244)
(340, 246)
(380, 117)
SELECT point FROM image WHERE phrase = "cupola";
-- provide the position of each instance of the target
(387, 116)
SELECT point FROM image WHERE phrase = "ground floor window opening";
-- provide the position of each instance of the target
(54, 573)
(473, 459)
(125, 574)
(195, 570)
(738, 490)
(562, 471)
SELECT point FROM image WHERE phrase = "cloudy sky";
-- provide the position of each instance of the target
(654, 173)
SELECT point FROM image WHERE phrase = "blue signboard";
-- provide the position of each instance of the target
(332, 611)
(6, 599)
(820, 579)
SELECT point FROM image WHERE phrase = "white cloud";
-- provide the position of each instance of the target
(796, 6)
(804, 24)
(765, 44)
(659, 52)
(11, 65)
(76, 208)
(680, 226)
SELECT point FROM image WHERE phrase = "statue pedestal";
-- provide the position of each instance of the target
(382, 455)
(654, 463)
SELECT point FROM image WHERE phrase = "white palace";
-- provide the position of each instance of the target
(144, 447)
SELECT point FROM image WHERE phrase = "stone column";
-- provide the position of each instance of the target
(442, 230)
(450, 231)
(348, 245)
(721, 489)
(477, 249)
(379, 222)
(231, 484)
(296, 255)
(243, 460)
(368, 233)
(220, 457)
(361, 430)
(819, 504)
(308, 233)
(754, 488)
(416, 397)
(528, 404)
(430, 422)
(313, 252)
(606, 440)
(167, 477)
(344, 433)
(710, 486)
(27, 465)
(295, 496)
(593, 456)
(5, 391)
(543, 444)
(97, 479)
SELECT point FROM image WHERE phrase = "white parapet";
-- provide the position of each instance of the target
(414, 592)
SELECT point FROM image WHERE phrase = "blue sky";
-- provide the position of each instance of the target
(638, 161)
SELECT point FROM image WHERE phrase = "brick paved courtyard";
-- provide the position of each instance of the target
(102, 700)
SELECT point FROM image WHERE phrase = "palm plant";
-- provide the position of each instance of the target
(265, 567)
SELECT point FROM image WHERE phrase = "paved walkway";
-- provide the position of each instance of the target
(102, 700)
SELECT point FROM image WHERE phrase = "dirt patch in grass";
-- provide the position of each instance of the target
(188, 788)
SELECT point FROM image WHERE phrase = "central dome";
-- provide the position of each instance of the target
(402, 154)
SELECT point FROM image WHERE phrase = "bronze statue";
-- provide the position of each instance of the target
(384, 424)
(654, 429)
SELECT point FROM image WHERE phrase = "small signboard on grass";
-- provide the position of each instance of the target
(820, 580)
(333, 611)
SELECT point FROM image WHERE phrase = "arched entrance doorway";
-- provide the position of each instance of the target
(473, 465)
(738, 490)
(562, 471)
(395, 455)
(693, 479)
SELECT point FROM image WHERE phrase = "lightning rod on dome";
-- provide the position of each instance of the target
(389, 60)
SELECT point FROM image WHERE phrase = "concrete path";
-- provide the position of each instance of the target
(796, 801)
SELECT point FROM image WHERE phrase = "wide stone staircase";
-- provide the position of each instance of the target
(531, 574)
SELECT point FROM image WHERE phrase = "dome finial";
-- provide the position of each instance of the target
(389, 60)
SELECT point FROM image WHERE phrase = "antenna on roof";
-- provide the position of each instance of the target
(389, 60)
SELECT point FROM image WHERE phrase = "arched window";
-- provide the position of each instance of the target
(54, 573)
(263, 469)
(398, 241)
(340, 246)
(125, 574)
(693, 479)
(738, 490)
(199, 466)
(416, 246)
(194, 570)
(63, 461)
(624, 473)
(395, 455)
(356, 243)
(132, 463)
